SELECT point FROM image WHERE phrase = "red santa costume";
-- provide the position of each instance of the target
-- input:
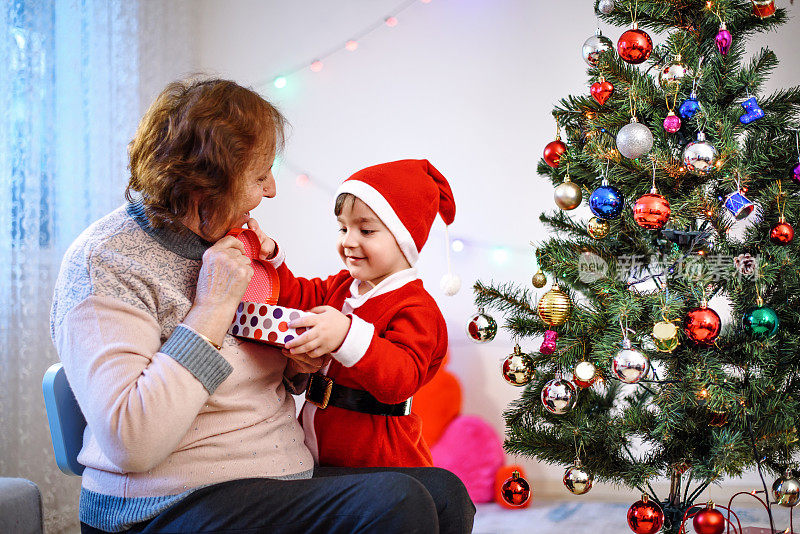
(397, 338)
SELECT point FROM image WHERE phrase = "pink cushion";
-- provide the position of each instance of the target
(472, 450)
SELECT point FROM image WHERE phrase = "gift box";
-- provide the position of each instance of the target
(258, 317)
(266, 323)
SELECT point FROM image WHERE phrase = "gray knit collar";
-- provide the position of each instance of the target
(189, 245)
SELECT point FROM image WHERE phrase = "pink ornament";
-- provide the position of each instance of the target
(724, 40)
(672, 123)
(549, 343)
(471, 449)
(796, 173)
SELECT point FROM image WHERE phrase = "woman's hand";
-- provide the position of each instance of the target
(327, 328)
(221, 283)
(267, 243)
(304, 363)
(224, 275)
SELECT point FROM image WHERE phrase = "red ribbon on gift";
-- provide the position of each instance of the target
(264, 286)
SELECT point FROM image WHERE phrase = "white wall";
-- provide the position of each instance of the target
(468, 84)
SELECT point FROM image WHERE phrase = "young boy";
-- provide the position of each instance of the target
(385, 334)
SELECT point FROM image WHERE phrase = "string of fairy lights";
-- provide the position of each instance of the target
(498, 254)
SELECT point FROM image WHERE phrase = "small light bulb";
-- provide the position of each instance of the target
(500, 255)
(425, 1)
(391, 22)
(316, 65)
(351, 45)
(457, 245)
(302, 180)
(280, 82)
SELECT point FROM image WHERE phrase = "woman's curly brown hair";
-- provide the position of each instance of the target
(194, 143)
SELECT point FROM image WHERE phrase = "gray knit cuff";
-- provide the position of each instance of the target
(198, 357)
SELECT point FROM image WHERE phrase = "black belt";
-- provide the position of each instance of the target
(323, 392)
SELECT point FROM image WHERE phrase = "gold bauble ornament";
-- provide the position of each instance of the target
(568, 195)
(598, 228)
(665, 336)
(518, 368)
(554, 306)
(577, 479)
(539, 279)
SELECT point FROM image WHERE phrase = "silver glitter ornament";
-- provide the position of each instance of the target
(634, 140)
(594, 46)
(568, 195)
(559, 396)
(671, 76)
(700, 157)
(577, 479)
(786, 490)
(606, 7)
(481, 327)
(630, 365)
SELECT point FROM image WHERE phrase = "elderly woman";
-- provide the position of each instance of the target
(190, 429)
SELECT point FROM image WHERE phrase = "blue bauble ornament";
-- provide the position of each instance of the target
(690, 106)
(606, 201)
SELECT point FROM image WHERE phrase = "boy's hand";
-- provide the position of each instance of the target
(267, 244)
(327, 329)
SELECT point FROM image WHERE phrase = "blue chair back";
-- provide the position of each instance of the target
(65, 419)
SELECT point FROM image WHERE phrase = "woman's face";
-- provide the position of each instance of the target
(258, 183)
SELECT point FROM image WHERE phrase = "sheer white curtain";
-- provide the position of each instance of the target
(70, 93)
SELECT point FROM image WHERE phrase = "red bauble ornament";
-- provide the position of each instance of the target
(709, 521)
(651, 211)
(703, 325)
(553, 151)
(601, 91)
(635, 46)
(515, 491)
(645, 516)
(782, 233)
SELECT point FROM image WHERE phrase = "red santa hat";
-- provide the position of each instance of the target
(406, 195)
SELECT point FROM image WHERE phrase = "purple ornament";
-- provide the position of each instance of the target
(672, 123)
(796, 172)
(724, 40)
(549, 343)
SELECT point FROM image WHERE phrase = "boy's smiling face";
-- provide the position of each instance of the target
(366, 246)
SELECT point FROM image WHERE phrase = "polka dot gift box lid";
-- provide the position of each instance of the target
(266, 323)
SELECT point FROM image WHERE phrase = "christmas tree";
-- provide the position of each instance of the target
(693, 179)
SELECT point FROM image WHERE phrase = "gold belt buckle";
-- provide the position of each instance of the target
(327, 393)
